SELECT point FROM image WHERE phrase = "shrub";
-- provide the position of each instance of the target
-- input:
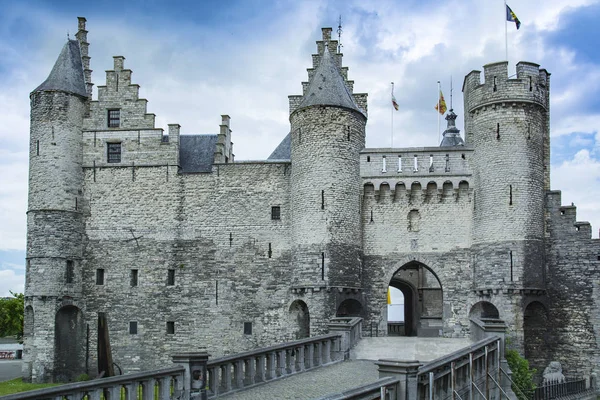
(522, 375)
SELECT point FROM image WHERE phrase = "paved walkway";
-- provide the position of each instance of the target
(313, 384)
(10, 369)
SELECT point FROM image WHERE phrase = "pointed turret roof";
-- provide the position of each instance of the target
(327, 86)
(67, 73)
(451, 134)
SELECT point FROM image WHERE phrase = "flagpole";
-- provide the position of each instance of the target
(392, 110)
(505, 32)
(438, 109)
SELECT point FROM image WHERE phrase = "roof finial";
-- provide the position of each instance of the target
(339, 31)
(450, 92)
(68, 37)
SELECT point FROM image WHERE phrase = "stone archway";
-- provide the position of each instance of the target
(69, 344)
(300, 319)
(409, 325)
(349, 308)
(423, 299)
(484, 310)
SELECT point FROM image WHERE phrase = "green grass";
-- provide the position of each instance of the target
(17, 385)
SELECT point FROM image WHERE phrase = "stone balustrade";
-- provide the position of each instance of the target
(384, 388)
(244, 370)
(161, 384)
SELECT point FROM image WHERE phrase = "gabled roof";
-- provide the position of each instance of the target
(67, 73)
(283, 151)
(327, 86)
(197, 152)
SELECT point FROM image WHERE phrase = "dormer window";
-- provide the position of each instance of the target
(114, 118)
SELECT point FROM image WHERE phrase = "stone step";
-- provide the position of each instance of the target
(406, 348)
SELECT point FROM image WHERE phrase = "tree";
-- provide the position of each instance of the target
(522, 376)
(11, 316)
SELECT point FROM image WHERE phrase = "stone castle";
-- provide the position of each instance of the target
(177, 246)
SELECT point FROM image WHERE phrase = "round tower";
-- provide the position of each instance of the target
(327, 134)
(55, 223)
(507, 124)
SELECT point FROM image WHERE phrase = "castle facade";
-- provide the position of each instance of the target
(160, 243)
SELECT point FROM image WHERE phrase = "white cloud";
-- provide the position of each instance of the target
(10, 281)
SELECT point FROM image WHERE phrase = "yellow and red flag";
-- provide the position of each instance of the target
(441, 104)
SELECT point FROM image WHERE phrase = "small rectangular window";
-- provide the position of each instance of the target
(70, 275)
(276, 212)
(170, 327)
(383, 164)
(399, 163)
(113, 152)
(171, 277)
(133, 281)
(416, 164)
(133, 328)
(114, 118)
(100, 276)
(247, 328)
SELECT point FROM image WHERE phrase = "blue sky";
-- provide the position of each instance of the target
(197, 60)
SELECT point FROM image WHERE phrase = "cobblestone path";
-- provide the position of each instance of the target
(313, 384)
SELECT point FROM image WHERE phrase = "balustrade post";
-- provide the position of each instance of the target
(292, 356)
(406, 372)
(194, 375)
(227, 377)
(238, 370)
(213, 380)
(164, 388)
(148, 389)
(300, 358)
(327, 355)
(271, 365)
(95, 394)
(113, 393)
(131, 391)
(281, 363)
(319, 355)
(311, 355)
(261, 375)
(250, 371)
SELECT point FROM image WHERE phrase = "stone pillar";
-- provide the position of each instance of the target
(406, 371)
(195, 374)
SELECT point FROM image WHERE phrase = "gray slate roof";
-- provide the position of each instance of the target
(327, 86)
(451, 134)
(197, 152)
(283, 151)
(67, 73)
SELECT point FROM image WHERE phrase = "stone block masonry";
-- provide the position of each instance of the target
(185, 249)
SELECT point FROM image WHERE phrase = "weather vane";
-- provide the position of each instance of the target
(339, 31)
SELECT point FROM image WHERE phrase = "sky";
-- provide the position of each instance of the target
(196, 60)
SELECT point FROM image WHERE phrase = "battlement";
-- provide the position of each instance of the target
(531, 85)
(561, 220)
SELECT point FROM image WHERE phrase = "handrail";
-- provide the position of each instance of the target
(360, 392)
(94, 384)
(464, 352)
(286, 345)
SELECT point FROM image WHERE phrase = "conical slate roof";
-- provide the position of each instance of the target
(67, 73)
(327, 86)
(451, 134)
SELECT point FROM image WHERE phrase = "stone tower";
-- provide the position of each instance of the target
(327, 134)
(53, 291)
(507, 124)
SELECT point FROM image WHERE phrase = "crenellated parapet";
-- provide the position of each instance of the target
(531, 86)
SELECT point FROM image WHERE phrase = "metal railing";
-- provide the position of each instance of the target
(560, 390)
(245, 370)
(470, 373)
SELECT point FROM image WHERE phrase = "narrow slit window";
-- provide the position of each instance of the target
(510, 195)
(247, 328)
(322, 199)
(171, 277)
(323, 266)
(170, 327)
(133, 278)
(498, 130)
(416, 164)
(399, 163)
(133, 328)
(530, 84)
(100, 276)
(511, 265)
(431, 163)
(270, 253)
(70, 273)
(447, 163)
(383, 164)
(348, 132)
(495, 84)
(37, 147)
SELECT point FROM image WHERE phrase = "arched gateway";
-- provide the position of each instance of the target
(423, 299)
